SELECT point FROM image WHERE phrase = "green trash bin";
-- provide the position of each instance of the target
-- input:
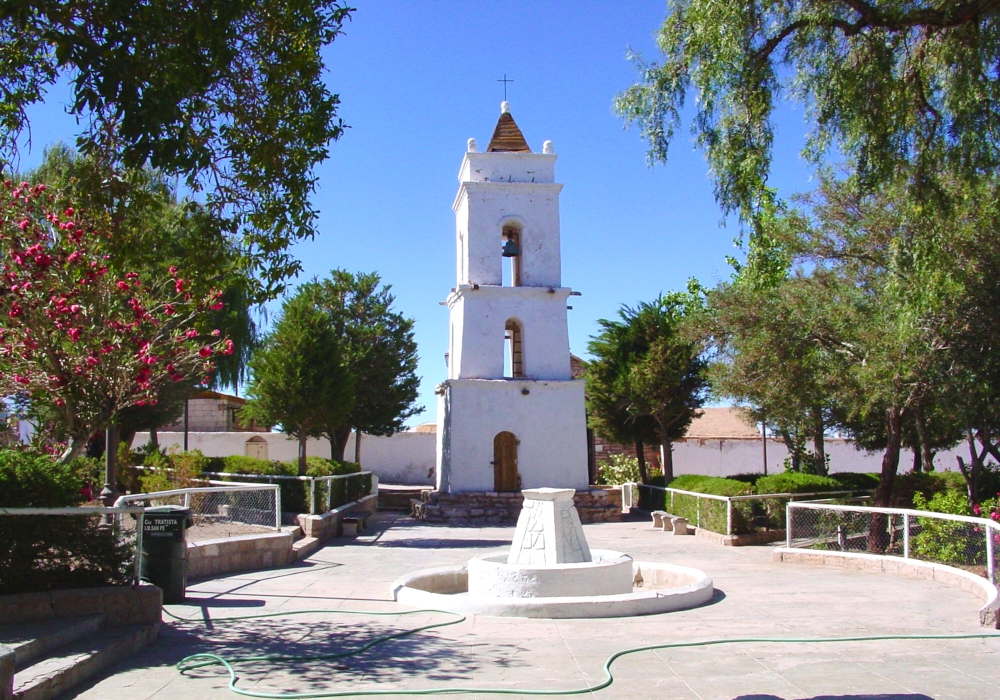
(163, 558)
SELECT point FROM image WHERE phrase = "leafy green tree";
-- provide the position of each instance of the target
(299, 377)
(895, 85)
(378, 350)
(648, 379)
(229, 95)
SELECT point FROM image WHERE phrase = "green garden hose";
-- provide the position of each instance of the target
(201, 660)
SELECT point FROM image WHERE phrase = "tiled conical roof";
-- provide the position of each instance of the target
(507, 138)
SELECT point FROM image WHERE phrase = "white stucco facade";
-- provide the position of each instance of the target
(538, 401)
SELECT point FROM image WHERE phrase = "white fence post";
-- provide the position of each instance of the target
(312, 496)
(697, 505)
(788, 525)
(906, 535)
(729, 516)
(277, 508)
(990, 566)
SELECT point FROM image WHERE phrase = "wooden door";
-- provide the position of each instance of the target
(505, 462)
(256, 447)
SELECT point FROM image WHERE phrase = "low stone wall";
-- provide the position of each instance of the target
(750, 539)
(120, 605)
(244, 553)
(330, 524)
(989, 614)
(491, 508)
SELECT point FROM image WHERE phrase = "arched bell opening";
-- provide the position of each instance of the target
(513, 349)
(511, 249)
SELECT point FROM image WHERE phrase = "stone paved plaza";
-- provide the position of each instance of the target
(755, 597)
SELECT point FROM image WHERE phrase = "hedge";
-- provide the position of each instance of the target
(39, 553)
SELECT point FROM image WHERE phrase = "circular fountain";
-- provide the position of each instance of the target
(550, 571)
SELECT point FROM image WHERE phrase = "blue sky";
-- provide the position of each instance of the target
(416, 80)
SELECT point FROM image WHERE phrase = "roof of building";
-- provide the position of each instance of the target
(430, 427)
(208, 394)
(729, 422)
(507, 138)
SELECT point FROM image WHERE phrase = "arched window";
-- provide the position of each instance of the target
(511, 240)
(513, 355)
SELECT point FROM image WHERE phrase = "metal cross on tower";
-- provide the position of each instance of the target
(504, 81)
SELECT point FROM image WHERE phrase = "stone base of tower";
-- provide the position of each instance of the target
(475, 509)
(545, 420)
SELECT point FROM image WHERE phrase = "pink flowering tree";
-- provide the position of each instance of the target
(79, 337)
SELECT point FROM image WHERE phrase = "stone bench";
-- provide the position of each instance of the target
(679, 525)
(661, 520)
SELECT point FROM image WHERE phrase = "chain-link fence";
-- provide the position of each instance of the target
(220, 511)
(729, 515)
(961, 541)
(310, 494)
(56, 548)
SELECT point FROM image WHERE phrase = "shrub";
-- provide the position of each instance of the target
(856, 481)
(182, 470)
(796, 482)
(711, 514)
(907, 486)
(947, 541)
(40, 553)
(34, 480)
(619, 469)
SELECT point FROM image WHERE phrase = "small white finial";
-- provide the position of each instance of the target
(505, 107)
(548, 148)
(472, 146)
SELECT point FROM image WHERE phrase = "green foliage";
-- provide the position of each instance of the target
(946, 541)
(378, 350)
(299, 377)
(238, 109)
(792, 482)
(173, 470)
(892, 84)
(34, 480)
(647, 380)
(856, 481)
(41, 553)
(909, 489)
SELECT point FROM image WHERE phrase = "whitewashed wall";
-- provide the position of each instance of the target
(724, 457)
(409, 458)
(404, 458)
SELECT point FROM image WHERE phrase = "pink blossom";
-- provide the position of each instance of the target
(23, 224)
(179, 285)
(60, 402)
(205, 352)
(191, 333)
(216, 333)
(20, 379)
(150, 359)
(70, 211)
(172, 270)
(131, 275)
(74, 334)
(217, 306)
(977, 510)
(92, 361)
(75, 308)
(122, 285)
(228, 350)
(168, 309)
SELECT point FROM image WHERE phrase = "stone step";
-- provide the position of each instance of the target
(69, 665)
(32, 640)
(397, 498)
(296, 531)
(304, 547)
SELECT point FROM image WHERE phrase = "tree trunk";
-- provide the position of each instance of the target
(338, 441)
(916, 461)
(667, 460)
(819, 446)
(357, 447)
(154, 440)
(926, 456)
(878, 536)
(77, 446)
(793, 453)
(303, 438)
(640, 454)
(127, 438)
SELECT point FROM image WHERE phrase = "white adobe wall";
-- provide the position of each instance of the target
(549, 422)
(478, 318)
(404, 458)
(724, 457)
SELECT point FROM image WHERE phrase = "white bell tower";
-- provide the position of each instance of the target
(510, 416)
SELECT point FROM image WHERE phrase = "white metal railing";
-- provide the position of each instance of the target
(630, 494)
(224, 493)
(311, 480)
(958, 540)
(115, 515)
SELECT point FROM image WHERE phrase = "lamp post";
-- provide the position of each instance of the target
(109, 494)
